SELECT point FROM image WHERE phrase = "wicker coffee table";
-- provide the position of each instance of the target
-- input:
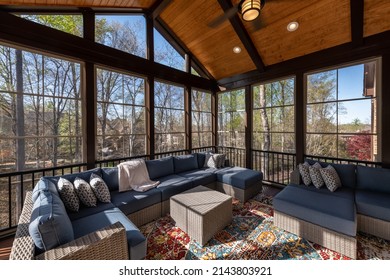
(201, 212)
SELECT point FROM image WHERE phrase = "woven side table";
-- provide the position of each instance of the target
(201, 212)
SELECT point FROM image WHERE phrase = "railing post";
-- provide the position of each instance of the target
(299, 117)
(248, 127)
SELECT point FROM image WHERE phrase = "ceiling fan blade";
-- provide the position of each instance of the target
(225, 16)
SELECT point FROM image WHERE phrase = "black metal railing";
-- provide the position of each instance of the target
(115, 161)
(13, 187)
(236, 156)
(344, 161)
(275, 166)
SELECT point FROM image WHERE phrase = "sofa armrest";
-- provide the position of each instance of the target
(23, 246)
(108, 243)
(295, 177)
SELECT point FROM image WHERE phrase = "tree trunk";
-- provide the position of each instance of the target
(264, 120)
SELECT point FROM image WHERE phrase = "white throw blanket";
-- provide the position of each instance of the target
(134, 175)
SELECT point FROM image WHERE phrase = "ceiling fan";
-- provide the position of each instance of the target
(248, 9)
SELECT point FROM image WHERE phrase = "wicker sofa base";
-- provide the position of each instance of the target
(344, 244)
(146, 215)
(105, 244)
(373, 226)
(240, 194)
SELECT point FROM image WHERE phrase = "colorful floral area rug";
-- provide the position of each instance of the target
(250, 236)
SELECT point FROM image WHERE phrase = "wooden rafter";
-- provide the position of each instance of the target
(157, 8)
(243, 34)
(164, 29)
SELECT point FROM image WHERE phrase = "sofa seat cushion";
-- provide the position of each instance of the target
(132, 201)
(239, 177)
(173, 184)
(332, 210)
(199, 177)
(373, 204)
(87, 211)
(373, 179)
(185, 163)
(105, 218)
(160, 167)
(50, 225)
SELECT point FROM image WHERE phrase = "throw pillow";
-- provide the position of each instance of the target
(100, 188)
(220, 158)
(305, 173)
(68, 195)
(85, 192)
(316, 176)
(210, 161)
(215, 160)
(331, 178)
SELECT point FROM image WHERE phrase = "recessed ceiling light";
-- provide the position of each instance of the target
(292, 26)
(237, 49)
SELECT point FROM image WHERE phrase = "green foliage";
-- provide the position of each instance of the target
(72, 24)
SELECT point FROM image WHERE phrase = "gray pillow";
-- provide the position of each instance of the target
(316, 176)
(305, 173)
(68, 195)
(331, 178)
(100, 188)
(85, 192)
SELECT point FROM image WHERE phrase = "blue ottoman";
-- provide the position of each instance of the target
(241, 183)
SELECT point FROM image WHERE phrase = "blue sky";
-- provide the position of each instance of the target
(350, 86)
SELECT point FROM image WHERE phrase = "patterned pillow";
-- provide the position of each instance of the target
(85, 192)
(68, 195)
(220, 160)
(331, 178)
(215, 160)
(100, 188)
(305, 173)
(316, 176)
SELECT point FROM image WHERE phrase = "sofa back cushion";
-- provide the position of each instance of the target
(50, 225)
(346, 172)
(160, 167)
(185, 163)
(85, 175)
(44, 185)
(373, 179)
(110, 177)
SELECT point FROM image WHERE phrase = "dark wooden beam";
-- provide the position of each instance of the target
(357, 22)
(90, 109)
(300, 109)
(18, 31)
(249, 126)
(385, 112)
(180, 47)
(374, 45)
(157, 8)
(243, 35)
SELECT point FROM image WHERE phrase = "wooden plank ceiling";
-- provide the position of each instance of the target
(322, 24)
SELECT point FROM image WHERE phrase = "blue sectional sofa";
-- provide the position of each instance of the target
(124, 213)
(332, 219)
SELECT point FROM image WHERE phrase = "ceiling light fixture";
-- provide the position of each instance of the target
(250, 9)
(292, 26)
(237, 49)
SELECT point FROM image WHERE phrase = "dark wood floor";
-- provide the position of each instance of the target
(6, 244)
(5, 248)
